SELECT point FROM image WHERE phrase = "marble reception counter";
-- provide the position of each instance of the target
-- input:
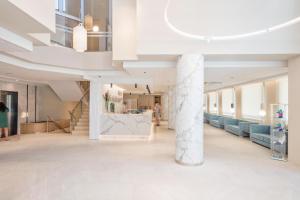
(126, 126)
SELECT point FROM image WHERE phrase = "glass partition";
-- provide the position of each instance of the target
(94, 14)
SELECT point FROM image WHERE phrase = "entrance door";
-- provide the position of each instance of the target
(11, 101)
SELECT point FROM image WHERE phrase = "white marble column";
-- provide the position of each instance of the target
(189, 109)
(96, 101)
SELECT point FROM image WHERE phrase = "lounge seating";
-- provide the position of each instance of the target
(206, 118)
(232, 126)
(245, 128)
(238, 127)
(221, 122)
(260, 134)
(214, 121)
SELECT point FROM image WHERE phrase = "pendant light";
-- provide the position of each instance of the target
(79, 38)
(232, 109)
(262, 111)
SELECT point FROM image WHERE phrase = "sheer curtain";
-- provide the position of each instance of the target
(213, 102)
(228, 101)
(205, 103)
(252, 98)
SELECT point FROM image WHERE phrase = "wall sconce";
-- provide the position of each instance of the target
(232, 107)
(262, 111)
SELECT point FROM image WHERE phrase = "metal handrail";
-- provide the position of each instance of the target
(56, 124)
(77, 111)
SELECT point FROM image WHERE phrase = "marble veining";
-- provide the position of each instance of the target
(189, 97)
(126, 124)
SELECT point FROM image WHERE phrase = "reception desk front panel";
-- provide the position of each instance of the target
(126, 126)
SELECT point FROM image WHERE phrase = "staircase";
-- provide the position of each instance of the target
(82, 126)
(79, 116)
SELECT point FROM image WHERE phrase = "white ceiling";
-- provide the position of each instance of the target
(13, 72)
(234, 76)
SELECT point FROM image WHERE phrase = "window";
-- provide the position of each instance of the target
(213, 102)
(205, 103)
(228, 102)
(283, 93)
(56, 4)
(252, 99)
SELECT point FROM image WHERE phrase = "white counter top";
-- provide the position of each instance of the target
(126, 126)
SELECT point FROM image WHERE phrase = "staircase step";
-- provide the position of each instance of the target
(80, 132)
(81, 128)
(83, 123)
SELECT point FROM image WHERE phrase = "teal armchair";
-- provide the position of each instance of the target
(261, 134)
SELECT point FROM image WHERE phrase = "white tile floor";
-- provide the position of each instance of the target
(56, 167)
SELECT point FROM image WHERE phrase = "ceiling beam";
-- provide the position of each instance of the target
(208, 64)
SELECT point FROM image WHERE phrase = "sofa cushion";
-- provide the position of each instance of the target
(233, 127)
(262, 137)
(214, 121)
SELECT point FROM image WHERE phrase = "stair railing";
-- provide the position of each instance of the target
(77, 111)
(49, 119)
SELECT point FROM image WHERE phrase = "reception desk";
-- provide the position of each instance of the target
(127, 126)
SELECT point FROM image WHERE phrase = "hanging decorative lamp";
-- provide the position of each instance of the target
(79, 38)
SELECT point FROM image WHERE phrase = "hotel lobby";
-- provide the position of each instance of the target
(137, 99)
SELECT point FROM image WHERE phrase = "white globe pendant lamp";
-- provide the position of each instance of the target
(79, 38)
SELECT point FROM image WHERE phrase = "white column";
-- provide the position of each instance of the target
(294, 110)
(189, 109)
(95, 108)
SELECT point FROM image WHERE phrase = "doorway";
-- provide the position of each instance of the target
(11, 101)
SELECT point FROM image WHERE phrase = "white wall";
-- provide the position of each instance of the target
(165, 106)
(41, 11)
(124, 29)
(294, 110)
(172, 107)
(283, 86)
(49, 104)
(66, 90)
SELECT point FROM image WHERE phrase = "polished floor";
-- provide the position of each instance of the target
(59, 167)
